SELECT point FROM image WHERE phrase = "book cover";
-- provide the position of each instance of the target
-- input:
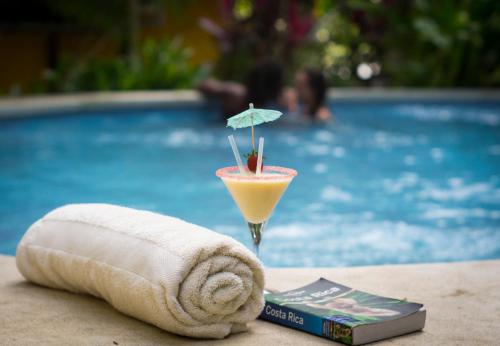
(332, 310)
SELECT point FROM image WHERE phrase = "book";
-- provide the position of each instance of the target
(340, 313)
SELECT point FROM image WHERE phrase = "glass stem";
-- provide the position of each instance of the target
(256, 230)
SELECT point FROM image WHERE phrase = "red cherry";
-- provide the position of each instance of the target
(252, 163)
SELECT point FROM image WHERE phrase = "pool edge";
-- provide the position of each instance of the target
(29, 106)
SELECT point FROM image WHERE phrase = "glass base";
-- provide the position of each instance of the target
(256, 230)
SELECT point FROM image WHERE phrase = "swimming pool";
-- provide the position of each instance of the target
(388, 182)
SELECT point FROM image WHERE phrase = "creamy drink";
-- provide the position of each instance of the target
(256, 195)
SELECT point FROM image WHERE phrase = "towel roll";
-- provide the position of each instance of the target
(178, 276)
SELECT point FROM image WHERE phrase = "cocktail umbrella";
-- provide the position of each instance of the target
(251, 117)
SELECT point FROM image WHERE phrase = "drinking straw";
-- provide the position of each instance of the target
(259, 156)
(236, 153)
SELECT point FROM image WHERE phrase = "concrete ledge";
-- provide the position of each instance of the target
(412, 94)
(42, 105)
(27, 106)
(462, 301)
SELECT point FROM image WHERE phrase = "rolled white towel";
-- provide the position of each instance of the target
(178, 276)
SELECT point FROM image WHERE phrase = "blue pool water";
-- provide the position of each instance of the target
(388, 182)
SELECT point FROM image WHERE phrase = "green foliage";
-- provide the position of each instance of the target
(242, 9)
(337, 46)
(414, 43)
(421, 43)
(378, 42)
(161, 65)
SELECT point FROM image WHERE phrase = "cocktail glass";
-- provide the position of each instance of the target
(256, 195)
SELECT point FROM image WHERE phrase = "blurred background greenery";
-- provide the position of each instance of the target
(86, 45)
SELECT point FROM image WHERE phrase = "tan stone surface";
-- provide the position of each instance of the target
(462, 300)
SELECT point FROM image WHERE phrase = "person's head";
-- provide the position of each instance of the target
(310, 85)
(264, 83)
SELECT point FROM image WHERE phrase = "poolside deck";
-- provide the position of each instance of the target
(462, 301)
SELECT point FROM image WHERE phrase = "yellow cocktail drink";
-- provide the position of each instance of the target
(256, 197)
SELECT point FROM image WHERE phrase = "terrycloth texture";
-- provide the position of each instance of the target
(178, 276)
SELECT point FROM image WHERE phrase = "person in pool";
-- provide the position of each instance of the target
(308, 97)
(305, 101)
(263, 87)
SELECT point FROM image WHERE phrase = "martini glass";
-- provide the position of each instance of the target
(256, 195)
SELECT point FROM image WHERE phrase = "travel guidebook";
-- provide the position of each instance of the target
(340, 313)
